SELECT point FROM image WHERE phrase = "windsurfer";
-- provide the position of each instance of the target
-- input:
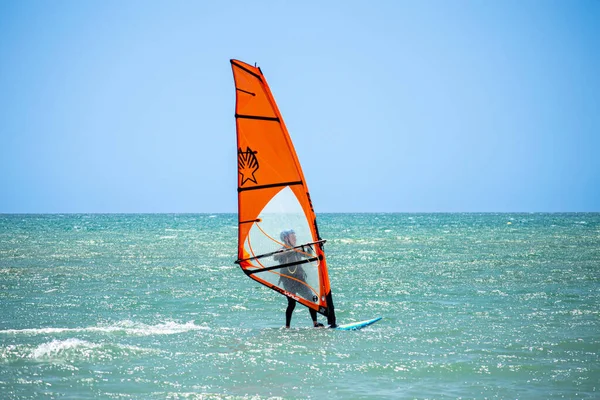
(293, 278)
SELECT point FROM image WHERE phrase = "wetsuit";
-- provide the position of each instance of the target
(293, 279)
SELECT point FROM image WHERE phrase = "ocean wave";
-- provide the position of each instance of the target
(56, 347)
(127, 327)
(70, 349)
(353, 241)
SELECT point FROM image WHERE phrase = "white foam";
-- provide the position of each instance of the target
(55, 347)
(128, 327)
(165, 328)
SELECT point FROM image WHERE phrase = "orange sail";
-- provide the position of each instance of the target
(278, 239)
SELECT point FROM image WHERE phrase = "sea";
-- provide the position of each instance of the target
(474, 306)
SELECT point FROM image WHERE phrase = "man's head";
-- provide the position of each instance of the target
(288, 237)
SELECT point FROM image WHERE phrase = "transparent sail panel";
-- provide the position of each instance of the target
(283, 225)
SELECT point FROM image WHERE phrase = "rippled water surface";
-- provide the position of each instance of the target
(152, 306)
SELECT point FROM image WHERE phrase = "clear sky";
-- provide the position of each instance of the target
(393, 106)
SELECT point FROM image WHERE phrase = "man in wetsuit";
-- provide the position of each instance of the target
(293, 277)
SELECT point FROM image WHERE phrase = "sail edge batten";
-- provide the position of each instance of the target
(270, 186)
(259, 117)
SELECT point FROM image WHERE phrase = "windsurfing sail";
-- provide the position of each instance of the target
(273, 201)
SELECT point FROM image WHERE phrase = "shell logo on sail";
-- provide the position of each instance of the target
(247, 165)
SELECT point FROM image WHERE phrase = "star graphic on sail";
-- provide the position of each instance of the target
(247, 165)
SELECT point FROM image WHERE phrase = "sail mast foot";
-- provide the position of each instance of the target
(331, 310)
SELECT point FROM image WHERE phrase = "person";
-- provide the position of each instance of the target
(293, 277)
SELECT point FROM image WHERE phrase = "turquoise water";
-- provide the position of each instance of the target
(152, 306)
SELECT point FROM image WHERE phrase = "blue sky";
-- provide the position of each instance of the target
(393, 106)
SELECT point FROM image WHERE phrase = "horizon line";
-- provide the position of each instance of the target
(323, 212)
